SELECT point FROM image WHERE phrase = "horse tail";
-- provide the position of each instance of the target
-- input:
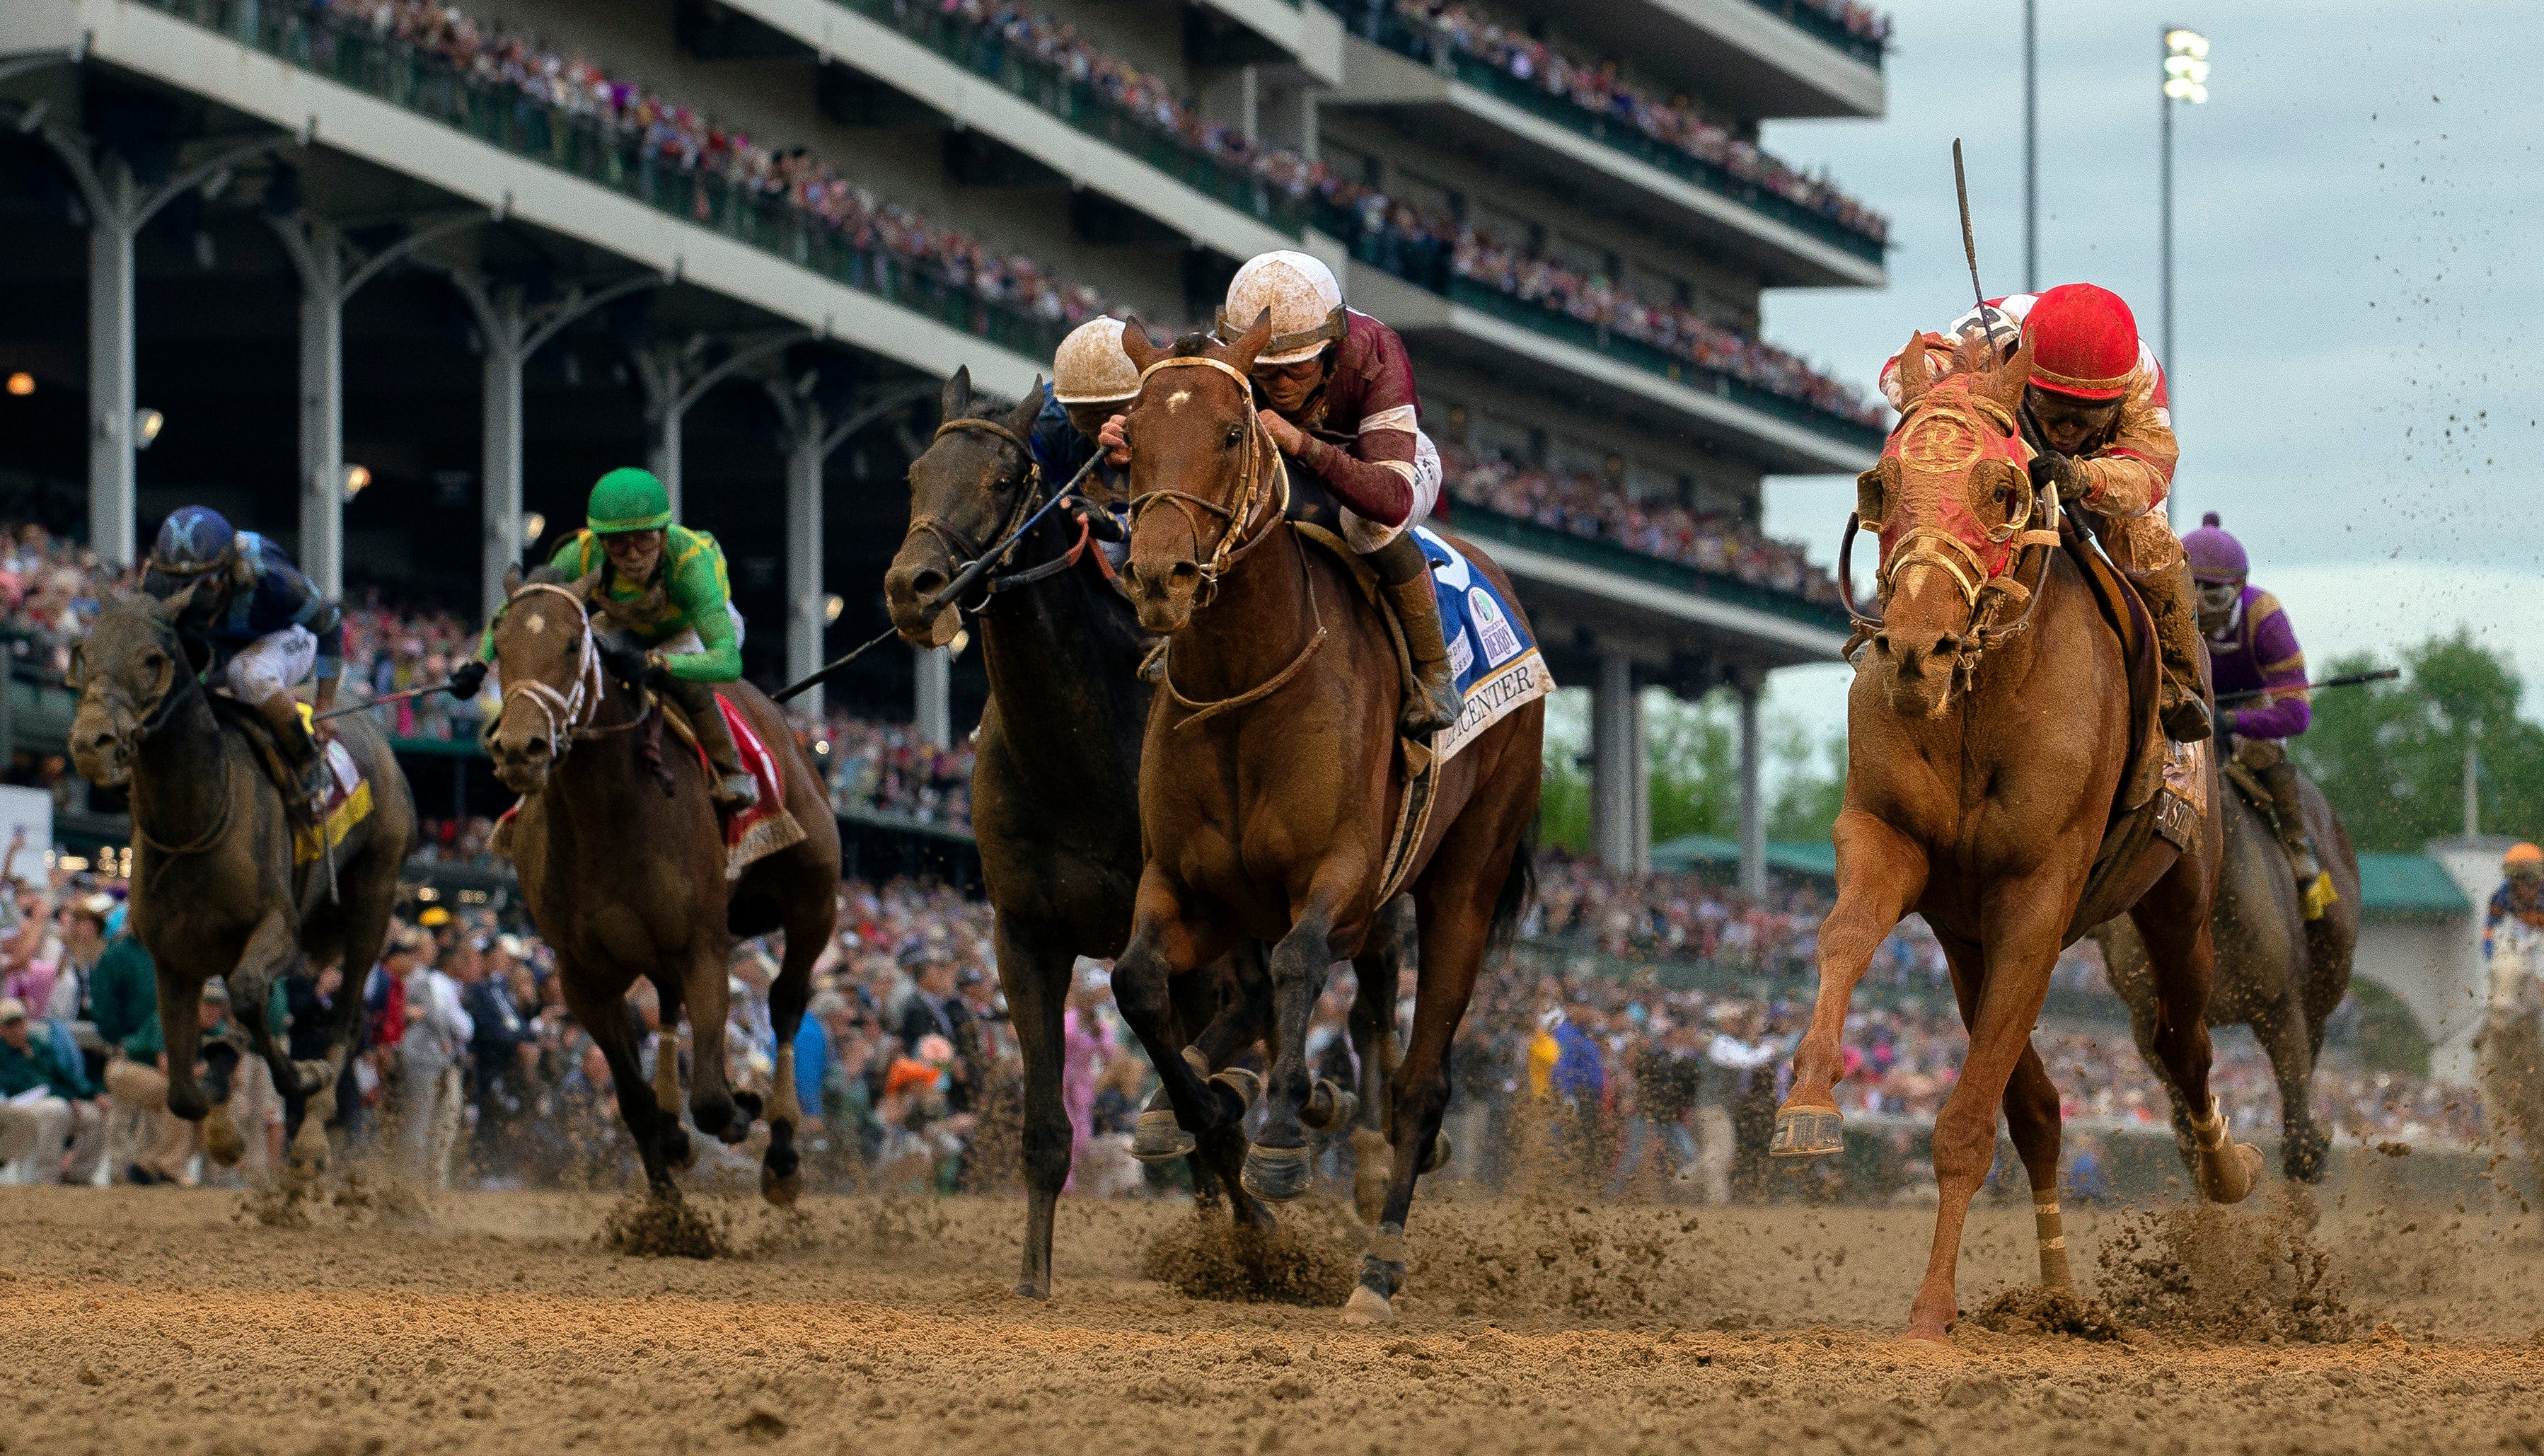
(1518, 889)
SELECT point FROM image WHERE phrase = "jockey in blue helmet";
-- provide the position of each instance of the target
(265, 624)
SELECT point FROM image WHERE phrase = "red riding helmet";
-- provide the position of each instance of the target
(2084, 342)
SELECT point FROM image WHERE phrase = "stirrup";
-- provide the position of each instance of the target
(735, 791)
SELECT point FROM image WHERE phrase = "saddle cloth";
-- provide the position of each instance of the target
(1495, 664)
(346, 803)
(764, 827)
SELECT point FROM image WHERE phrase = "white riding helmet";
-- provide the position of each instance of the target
(1090, 366)
(1306, 305)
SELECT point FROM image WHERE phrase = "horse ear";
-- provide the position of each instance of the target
(169, 609)
(590, 586)
(1245, 347)
(513, 580)
(1915, 378)
(2005, 384)
(956, 402)
(1142, 350)
(1021, 420)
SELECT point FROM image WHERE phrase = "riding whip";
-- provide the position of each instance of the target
(963, 582)
(2346, 679)
(1969, 237)
(381, 702)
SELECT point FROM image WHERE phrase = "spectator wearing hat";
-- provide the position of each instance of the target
(430, 1056)
(1729, 1061)
(935, 1009)
(49, 1101)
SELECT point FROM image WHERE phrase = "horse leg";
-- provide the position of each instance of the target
(1036, 980)
(1455, 904)
(2031, 1118)
(809, 920)
(1164, 946)
(1880, 874)
(1378, 971)
(2283, 1034)
(1279, 1165)
(611, 1025)
(1231, 1004)
(180, 994)
(2172, 919)
(712, 1104)
(270, 947)
(2024, 918)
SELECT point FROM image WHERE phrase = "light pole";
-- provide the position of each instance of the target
(2186, 78)
(2030, 146)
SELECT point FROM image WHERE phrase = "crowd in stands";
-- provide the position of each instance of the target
(50, 588)
(1597, 88)
(1583, 504)
(887, 770)
(670, 134)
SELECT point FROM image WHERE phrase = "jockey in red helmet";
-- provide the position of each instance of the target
(2097, 420)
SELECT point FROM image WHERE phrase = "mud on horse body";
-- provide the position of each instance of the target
(1268, 788)
(1988, 729)
(1055, 783)
(623, 864)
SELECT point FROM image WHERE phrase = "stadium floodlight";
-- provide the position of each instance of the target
(22, 384)
(2185, 65)
(356, 478)
(533, 525)
(832, 606)
(146, 425)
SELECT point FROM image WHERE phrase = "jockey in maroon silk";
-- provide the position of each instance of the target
(2253, 649)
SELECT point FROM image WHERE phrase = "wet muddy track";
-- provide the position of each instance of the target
(174, 1322)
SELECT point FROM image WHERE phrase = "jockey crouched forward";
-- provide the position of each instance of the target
(2096, 416)
(664, 588)
(2253, 649)
(1336, 389)
(1091, 381)
(266, 625)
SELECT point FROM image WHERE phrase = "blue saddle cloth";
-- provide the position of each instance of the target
(1493, 659)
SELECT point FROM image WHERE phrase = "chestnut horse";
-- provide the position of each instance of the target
(1269, 789)
(623, 864)
(1983, 764)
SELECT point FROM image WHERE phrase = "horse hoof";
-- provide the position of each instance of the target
(1367, 1307)
(1158, 1138)
(745, 1108)
(1330, 1107)
(1245, 1085)
(221, 1141)
(782, 1192)
(678, 1152)
(1807, 1132)
(1033, 1289)
(1278, 1174)
(2227, 1173)
(1442, 1150)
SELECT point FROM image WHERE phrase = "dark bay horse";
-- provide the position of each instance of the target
(622, 865)
(214, 890)
(2277, 972)
(1054, 781)
(1268, 787)
(1983, 764)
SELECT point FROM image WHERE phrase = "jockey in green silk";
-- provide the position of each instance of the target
(664, 588)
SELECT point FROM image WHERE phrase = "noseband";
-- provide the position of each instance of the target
(566, 711)
(957, 545)
(1237, 533)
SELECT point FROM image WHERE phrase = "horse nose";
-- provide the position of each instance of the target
(1183, 578)
(925, 583)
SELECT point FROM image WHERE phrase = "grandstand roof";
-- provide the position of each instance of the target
(1815, 857)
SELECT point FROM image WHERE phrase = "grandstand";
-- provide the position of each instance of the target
(394, 281)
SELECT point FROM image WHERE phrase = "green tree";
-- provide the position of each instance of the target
(1811, 787)
(2391, 757)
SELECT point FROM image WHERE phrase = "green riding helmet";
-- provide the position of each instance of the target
(628, 499)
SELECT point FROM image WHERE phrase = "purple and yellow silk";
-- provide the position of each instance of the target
(2258, 652)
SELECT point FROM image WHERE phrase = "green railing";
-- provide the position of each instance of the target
(1622, 136)
(1084, 105)
(1608, 554)
(614, 158)
(1804, 16)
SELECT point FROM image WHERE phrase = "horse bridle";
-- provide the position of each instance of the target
(567, 711)
(1983, 594)
(1238, 532)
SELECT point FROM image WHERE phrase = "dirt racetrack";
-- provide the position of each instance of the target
(167, 1322)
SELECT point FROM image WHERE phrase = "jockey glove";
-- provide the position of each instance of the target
(2064, 471)
(1103, 524)
(629, 665)
(467, 679)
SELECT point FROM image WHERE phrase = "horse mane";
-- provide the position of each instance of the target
(1195, 343)
(545, 574)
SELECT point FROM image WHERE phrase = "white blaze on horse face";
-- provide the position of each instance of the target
(536, 623)
(1178, 398)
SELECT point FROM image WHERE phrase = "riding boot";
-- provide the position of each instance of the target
(2171, 600)
(1431, 700)
(303, 758)
(733, 788)
(2287, 810)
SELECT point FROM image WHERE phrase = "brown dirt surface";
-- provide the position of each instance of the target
(180, 1322)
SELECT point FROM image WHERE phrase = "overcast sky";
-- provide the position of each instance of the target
(2359, 321)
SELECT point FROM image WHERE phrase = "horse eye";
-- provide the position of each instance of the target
(1234, 437)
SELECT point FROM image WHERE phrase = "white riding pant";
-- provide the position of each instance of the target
(1366, 535)
(272, 665)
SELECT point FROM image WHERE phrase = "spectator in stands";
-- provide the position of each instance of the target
(47, 1102)
(430, 1056)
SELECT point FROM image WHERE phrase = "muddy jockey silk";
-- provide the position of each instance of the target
(1495, 666)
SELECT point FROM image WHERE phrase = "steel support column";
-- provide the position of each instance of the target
(933, 711)
(1753, 803)
(1619, 770)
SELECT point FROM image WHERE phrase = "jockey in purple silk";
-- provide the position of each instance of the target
(2253, 649)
